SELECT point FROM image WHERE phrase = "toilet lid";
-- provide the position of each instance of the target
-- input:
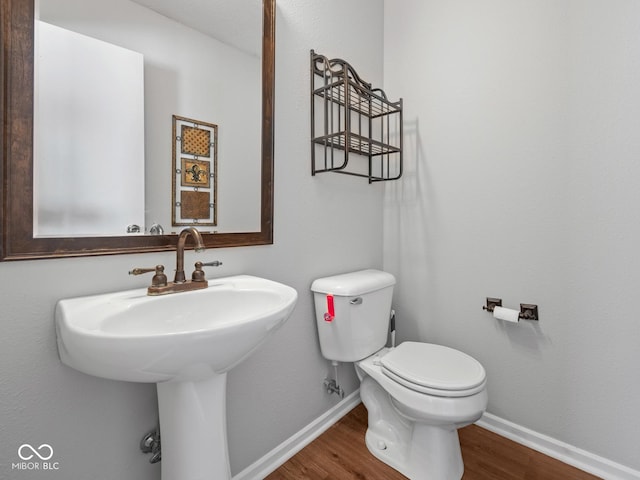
(434, 369)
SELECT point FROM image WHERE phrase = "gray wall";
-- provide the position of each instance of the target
(522, 150)
(323, 225)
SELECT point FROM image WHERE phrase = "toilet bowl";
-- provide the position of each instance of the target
(417, 394)
(411, 430)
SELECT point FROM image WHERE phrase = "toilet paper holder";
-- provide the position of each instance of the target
(528, 311)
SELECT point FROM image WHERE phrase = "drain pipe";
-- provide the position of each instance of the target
(150, 443)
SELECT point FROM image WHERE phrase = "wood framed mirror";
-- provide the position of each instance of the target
(16, 176)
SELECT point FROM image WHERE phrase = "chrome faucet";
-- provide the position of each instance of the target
(159, 285)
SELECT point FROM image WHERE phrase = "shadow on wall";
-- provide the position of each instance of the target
(409, 220)
(525, 335)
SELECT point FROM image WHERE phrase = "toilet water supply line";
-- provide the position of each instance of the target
(331, 384)
(392, 327)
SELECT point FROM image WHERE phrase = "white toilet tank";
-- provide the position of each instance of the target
(352, 313)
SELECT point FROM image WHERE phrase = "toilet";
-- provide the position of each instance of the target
(417, 394)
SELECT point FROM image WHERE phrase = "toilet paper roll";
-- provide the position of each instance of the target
(506, 314)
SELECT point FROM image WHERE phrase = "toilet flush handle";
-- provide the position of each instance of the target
(356, 301)
(330, 314)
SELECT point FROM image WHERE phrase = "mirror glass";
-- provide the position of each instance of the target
(109, 78)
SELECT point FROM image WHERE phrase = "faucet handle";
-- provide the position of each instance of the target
(140, 271)
(198, 273)
(215, 263)
(158, 280)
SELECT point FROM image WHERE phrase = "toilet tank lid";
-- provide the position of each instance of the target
(354, 283)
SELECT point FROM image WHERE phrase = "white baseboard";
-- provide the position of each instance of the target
(287, 449)
(564, 452)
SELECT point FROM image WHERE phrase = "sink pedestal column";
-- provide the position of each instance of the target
(193, 429)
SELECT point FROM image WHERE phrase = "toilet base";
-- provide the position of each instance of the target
(416, 449)
(420, 460)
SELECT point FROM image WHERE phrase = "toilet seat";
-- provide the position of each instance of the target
(434, 369)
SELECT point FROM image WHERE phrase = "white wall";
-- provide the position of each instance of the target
(323, 225)
(521, 183)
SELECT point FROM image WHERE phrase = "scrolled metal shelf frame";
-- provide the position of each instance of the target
(348, 116)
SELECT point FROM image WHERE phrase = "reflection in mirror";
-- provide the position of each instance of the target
(186, 73)
(88, 156)
(186, 76)
(195, 167)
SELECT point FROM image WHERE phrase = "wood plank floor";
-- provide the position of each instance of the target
(340, 454)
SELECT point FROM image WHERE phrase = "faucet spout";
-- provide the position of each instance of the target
(159, 284)
(182, 240)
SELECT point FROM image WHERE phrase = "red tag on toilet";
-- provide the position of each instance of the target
(331, 312)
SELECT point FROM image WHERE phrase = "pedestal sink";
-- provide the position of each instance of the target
(185, 343)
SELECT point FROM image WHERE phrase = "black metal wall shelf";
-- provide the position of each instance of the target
(350, 117)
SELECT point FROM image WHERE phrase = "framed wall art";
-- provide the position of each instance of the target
(195, 168)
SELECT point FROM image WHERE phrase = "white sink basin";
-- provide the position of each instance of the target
(185, 342)
(183, 336)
